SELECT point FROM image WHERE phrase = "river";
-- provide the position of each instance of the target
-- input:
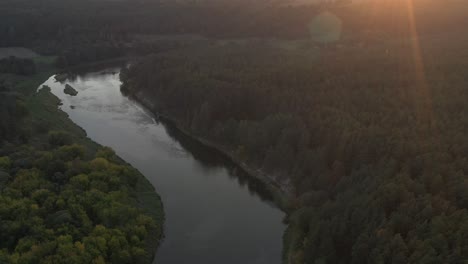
(214, 212)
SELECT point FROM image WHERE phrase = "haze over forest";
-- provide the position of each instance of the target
(344, 120)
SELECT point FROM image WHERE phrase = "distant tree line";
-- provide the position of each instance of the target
(86, 31)
(58, 26)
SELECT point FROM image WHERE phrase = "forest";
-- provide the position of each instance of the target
(368, 133)
(371, 140)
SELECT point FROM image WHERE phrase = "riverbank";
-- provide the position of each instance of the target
(100, 64)
(282, 194)
(44, 111)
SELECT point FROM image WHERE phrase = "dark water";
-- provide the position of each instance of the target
(214, 212)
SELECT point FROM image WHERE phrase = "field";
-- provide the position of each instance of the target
(17, 52)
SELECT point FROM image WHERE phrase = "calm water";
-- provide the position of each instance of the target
(214, 213)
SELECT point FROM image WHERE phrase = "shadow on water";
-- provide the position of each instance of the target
(85, 69)
(210, 157)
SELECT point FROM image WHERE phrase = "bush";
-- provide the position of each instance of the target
(99, 164)
(5, 163)
(42, 127)
(59, 138)
(71, 152)
(106, 153)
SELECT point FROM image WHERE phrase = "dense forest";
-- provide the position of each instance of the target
(63, 199)
(371, 140)
(57, 207)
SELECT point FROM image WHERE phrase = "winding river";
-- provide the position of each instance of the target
(215, 214)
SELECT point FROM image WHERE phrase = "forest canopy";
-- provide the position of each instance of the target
(372, 145)
(58, 207)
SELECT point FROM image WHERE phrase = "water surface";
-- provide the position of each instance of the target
(214, 212)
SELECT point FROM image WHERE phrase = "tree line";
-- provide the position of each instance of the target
(83, 31)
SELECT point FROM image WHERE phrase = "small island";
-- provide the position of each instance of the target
(70, 90)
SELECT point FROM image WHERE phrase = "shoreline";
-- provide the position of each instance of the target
(282, 195)
(101, 63)
(146, 196)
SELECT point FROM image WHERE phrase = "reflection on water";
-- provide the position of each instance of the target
(215, 213)
(211, 158)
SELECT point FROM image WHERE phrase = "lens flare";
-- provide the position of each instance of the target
(424, 100)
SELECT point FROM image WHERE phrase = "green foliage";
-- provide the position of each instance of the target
(83, 213)
(5, 163)
(71, 152)
(60, 138)
(12, 113)
(106, 153)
